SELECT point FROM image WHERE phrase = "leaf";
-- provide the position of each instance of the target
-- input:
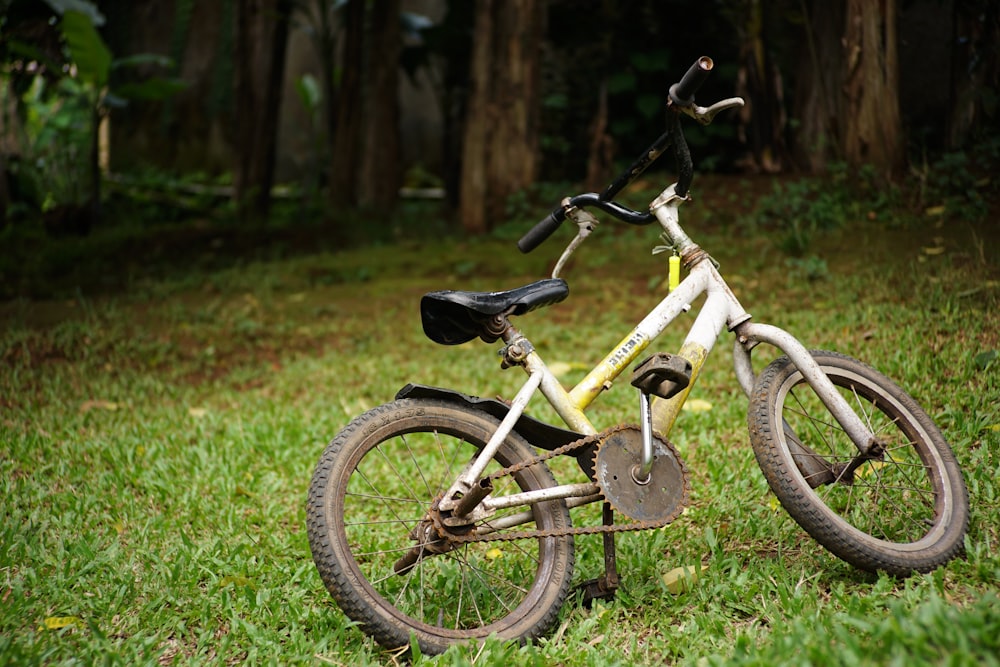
(622, 82)
(934, 250)
(152, 89)
(235, 580)
(91, 55)
(139, 59)
(649, 105)
(697, 405)
(60, 622)
(681, 579)
(560, 368)
(934, 210)
(87, 406)
(984, 360)
(83, 6)
(197, 412)
(309, 93)
(243, 491)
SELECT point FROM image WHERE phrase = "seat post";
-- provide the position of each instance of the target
(516, 349)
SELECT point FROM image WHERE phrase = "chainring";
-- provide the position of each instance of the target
(664, 493)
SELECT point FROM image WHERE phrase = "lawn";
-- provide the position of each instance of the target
(157, 441)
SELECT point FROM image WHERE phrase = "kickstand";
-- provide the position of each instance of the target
(603, 587)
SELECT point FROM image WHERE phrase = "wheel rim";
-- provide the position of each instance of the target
(900, 502)
(475, 589)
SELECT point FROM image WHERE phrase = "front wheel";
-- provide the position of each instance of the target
(379, 555)
(903, 512)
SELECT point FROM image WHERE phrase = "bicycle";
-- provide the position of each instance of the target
(437, 516)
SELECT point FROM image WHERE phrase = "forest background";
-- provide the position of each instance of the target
(348, 105)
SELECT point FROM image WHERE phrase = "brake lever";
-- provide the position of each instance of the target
(586, 223)
(705, 115)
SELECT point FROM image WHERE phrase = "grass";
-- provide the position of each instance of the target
(156, 445)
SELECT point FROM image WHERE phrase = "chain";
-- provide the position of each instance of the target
(582, 443)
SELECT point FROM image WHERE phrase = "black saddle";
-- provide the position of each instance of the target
(452, 317)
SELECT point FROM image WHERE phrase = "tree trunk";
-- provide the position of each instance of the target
(762, 120)
(347, 136)
(261, 38)
(975, 67)
(380, 176)
(818, 100)
(500, 149)
(872, 127)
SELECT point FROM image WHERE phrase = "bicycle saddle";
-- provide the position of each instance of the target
(452, 317)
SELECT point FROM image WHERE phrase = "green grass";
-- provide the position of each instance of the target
(156, 445)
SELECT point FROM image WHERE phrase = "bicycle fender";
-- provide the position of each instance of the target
(538, 433)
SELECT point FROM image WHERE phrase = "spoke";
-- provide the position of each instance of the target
(485, 578)
(416, 464)
(506, 583)
(379, 496)
(385, 502)
(813, 421)
(462, 586)
(379, 522)
(392, 466)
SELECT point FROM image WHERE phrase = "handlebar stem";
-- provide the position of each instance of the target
(665, 208)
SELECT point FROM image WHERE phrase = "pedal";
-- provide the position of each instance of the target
(662, 375)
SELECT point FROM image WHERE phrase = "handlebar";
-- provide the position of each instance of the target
(682, 92)
(545, 228)
(681, 101)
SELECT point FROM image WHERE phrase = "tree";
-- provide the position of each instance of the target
(759, 82)
(873, 132)
(378, 186)
(500, 149)
(975, 68)
(818, 104)
(261, 38)
(346, 146)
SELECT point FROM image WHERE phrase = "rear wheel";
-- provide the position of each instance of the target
(369, 498)
(904, 512)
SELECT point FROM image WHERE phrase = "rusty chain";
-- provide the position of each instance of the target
(569, 448)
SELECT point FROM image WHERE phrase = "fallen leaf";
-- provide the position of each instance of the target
(681, 579)
(934, 250)
(934, 210)
(243, 491)
(197, 412)
(560, 368)
(697, 405)
(235, 580)
(87, 406)
(60, 622)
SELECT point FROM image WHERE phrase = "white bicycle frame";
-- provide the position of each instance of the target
(469, 497)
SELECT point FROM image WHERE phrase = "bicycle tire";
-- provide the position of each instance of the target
(374, 483)
(906, 513)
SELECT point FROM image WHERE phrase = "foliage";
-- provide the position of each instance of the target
(797, 210)
(65, 101)
(958, 184)
(156, 444)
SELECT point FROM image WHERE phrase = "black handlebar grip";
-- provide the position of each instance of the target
(541, 231)
(682, 93)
